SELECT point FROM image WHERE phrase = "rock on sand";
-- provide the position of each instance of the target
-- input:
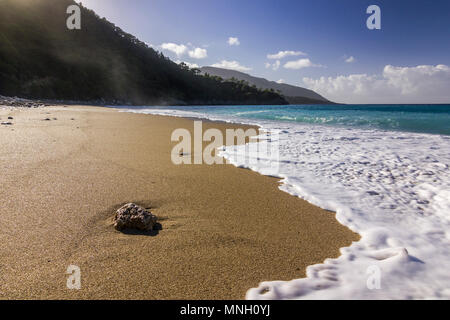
(132, 216)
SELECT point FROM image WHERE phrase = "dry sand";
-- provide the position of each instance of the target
(224, 229)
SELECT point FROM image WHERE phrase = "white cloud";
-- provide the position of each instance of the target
(190, 65)
(198, 53)
(178, 49)
(233, 65)
(420, 84)
(281, 81)
(283, 54)
(275, 66)
(300, 64)
(350, 59)
(181, 49)
(232, 41)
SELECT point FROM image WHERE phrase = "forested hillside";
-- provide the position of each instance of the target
(41, 58)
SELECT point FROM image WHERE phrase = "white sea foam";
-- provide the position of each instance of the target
(392, 188)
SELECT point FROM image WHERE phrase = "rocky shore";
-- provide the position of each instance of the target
(21, 102)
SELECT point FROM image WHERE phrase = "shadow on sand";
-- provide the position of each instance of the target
(153, 233)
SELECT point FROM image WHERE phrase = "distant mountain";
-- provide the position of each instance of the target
(293, 94)
(40, 58)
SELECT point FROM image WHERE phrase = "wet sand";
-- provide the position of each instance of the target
(224, 229)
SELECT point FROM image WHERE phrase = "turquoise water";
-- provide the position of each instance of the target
(433, 119)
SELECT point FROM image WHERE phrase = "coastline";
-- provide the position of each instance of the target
(224, 229)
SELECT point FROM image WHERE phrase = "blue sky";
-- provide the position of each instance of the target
(323, 35)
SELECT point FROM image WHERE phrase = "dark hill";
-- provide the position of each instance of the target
(293, 94)
(41, 58)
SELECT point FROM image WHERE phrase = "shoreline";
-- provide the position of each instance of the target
(224, 230)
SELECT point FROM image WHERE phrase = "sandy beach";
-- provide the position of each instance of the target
(224, 229)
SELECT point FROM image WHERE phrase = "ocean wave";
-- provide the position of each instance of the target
(393, 188)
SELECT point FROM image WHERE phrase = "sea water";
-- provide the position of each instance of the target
(384, 170)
